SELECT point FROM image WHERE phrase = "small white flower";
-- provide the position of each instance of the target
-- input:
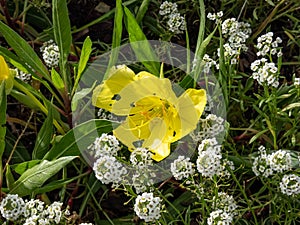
(265, 72)
(297, 81)
(290, 184)
(182, 168)
(225, 202)
(33, 207)
(167, 8)
(52, 213)
(280, 161)
(104, 145)
(141, 158)
(108, 170)
(176, 23)
(12, 207)
(219, 217)
(209, 159)
(50, 53)
(147, 207)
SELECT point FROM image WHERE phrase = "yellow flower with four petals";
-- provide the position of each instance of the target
(155, 116)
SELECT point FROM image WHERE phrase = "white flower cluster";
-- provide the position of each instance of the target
(225, 202)
(236, 34)
(25, 77)
(51, 214)
(141, 158)
(208, 63)
(85, 224)
(265, 72)
(104, 145)
(50, 53)
(297, 81)
(182, 168)
(266, 45)
(33, 208)
(209, 161)
(266, 164)
(290, 184)
(30, 212)
(209, 127)
(147, 207)
(219, 217)
(109, 170)
(175, 22)
(143, 170)
(12, 207)
(215, 16)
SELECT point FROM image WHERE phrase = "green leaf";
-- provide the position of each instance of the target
(84, 57)
(81, 94)
(36, 176)
(13, 59)
(2, 117)
(140, 44)
(10, 180)
(256, 136)
(291, 106)
(22, 167)
(62, 34)
(79, 137)
(142, 11)
(54, 185)
(23, 50)
(57, 81)
(44, 137)
(117, 36)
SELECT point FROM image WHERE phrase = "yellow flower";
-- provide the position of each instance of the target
(6, 74)
(155, 116)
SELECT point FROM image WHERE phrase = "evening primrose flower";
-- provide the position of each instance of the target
(6, 74)
(155, 116)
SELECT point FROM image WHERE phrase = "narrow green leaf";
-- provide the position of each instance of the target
(140, 44)
(23, 50)
(57, 81)
(117, 35)
(142, 11)
(291, 106)
(256, 136)
(79, 137)
(62, 34)
(10, 180)
(44, 137)
(36, 176)
(84, 57)
(55, 185)
(3, 106)
(12, 59)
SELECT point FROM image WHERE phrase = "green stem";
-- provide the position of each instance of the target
(245, 196)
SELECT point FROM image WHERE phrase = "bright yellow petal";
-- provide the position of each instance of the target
(147, 86)
(161, 152)
(105, 94)
(4, 70)
(191, 106)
